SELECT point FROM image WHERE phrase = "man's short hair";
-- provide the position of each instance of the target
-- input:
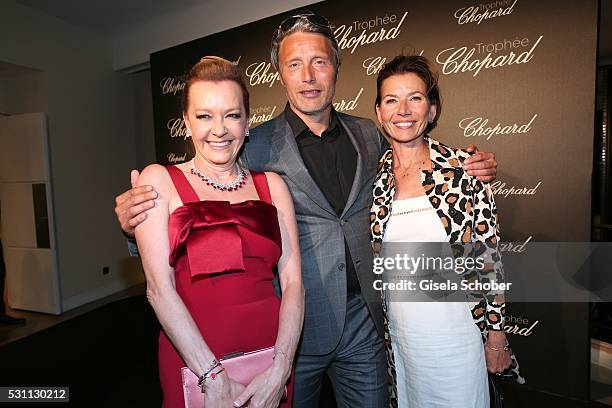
(307, 22)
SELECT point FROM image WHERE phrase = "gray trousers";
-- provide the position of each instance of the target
(357, 367)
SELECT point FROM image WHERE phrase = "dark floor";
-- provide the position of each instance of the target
(107, 357)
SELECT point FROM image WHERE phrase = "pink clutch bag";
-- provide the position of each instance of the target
(240, 367)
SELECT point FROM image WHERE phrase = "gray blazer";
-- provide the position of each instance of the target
(272, 147)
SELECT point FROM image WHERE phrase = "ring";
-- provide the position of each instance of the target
(498, 374)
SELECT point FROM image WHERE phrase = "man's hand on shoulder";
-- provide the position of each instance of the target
(481, 165)
(131, 206)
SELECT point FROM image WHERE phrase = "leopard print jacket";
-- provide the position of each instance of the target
(467, 210)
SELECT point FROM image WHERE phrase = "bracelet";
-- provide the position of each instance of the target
(202, 380)
(214, 364)
(281, 352)
(213, 376)
(505, 348)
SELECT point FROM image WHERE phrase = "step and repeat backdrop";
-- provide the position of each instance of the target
(517, 78)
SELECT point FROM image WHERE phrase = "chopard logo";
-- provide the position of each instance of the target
(260, 115)
(175, 84)
(479, 126)
(261, 73)
(346, 40)
(176, 158)
(519, 325)
(171, 85)
(347, 105)
(500, 189)
(176, 128)
(373, 65)
(477, 14)
(516, 247)
(455, 60)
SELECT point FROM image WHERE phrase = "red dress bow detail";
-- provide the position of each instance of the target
(211, 237)
(209, 232)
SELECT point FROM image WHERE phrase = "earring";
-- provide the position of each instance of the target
(246, 133)
(430, 121)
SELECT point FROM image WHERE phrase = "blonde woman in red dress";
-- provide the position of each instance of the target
(209, 246)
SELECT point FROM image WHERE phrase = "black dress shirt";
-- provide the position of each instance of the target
(331, 160)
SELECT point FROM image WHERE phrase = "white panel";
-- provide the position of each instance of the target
(23, 148)
(17, 215)
(31, 280)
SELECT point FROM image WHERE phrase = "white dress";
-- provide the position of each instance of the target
(439, 355)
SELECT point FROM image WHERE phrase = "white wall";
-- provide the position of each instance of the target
(91, 132)
(133, 46)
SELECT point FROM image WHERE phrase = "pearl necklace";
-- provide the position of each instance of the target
(234, 185)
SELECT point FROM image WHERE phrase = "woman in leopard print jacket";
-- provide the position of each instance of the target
(421, 194)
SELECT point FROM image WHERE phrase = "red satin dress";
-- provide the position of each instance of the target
(223, 255)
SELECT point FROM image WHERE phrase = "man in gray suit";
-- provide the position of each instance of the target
(328, 159)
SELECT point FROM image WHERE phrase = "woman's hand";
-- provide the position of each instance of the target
(267, 389)
(221, 392)
(497, 361)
